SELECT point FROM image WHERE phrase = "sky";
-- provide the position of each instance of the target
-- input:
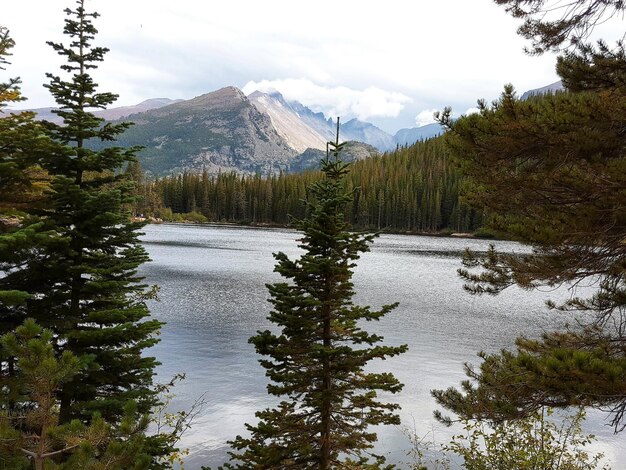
(392, 63)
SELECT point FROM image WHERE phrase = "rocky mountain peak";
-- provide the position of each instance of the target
(356, 124)
(225, 98)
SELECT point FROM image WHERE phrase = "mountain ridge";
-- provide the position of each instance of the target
(225, 130)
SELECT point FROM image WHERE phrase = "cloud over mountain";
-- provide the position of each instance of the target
(335, 100)
(425, 117)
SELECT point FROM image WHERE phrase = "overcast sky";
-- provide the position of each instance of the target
(389, 62)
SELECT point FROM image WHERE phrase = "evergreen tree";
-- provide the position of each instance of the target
(82, 278)
(549, 24)
(21, 186)
(551, 171)
(316, 362)
(19, 135)
(21, 182)
(31, 429)
(409, 189)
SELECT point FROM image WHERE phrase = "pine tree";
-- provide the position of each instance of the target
(82, 279)
(408, 190)
(551, 25)
(21, 184)
(316, 362)
(21, 143)
(31, 429)
(551, 172)
(19, 135)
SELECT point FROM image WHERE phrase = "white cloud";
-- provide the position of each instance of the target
(472, 110)
(425, 117)
(335, 101)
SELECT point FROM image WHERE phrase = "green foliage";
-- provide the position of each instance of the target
(533, 443)
(69, 260)
(539, 441)
(167, 215)
(551, 172)
(561, 369)
(84, 278)
(317, 360)
(29, 421)
(549, 24)
(412, 189)
(21, 143)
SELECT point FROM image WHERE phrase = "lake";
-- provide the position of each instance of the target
(213, 298)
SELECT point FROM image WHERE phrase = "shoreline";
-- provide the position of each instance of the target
(446, 234)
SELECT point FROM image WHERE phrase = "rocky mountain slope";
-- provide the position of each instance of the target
(125, 111)
(218, 131)
(311, 158)
(303, 128)
(368, 133)
(552, 88)
(227, 131)
(289, 123)
(411, 135)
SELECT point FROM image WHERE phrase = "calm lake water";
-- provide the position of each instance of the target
(213, 298)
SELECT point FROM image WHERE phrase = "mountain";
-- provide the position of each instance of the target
(112, 113)
(368, 133)
(303, 128)
(288, 122)
(125, 111)
(310, 159)
(218, 131)
(43, 114)
(410, 136)
(552, 88)
(226, 131)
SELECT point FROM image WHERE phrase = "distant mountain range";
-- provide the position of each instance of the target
(303, 128)
(113, 113)
(261, 133)
(228, 131)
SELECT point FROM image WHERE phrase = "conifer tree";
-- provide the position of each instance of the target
(31, 429)
(551, 172)
(82, 279)
(21, 142)
(18, 134)
(316, 362)
(411, 189)
(553, 25)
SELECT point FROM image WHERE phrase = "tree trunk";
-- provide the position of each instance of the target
(326, 390)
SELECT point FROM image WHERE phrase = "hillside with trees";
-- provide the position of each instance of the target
(414, 189)
(77, 388)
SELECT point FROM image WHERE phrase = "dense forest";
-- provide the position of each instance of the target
(77, 381)
(413, 189)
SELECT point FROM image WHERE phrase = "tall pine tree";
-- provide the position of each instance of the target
(83, 277)
(317, 360)
(551, 171)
